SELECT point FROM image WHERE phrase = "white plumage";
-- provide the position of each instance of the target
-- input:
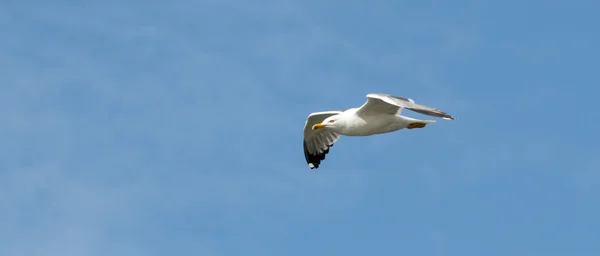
(380, 114)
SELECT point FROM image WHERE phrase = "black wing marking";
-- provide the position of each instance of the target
(316, 158)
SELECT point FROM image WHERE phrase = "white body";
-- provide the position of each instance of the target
(365, 125)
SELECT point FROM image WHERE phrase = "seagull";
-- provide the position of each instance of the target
(379, 114)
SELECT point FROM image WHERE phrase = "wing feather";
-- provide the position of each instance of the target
(386, 103)
(316, 143)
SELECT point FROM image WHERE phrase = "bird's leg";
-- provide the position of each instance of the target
(416, 125)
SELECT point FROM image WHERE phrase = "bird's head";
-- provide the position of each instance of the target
(330, 122)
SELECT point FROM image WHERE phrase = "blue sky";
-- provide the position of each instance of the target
(155, 128)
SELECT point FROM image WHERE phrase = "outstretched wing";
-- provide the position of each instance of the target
(317, 142)
(386, 103)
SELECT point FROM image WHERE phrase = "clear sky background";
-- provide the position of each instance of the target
(175, 128)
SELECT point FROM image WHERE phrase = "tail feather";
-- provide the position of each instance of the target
(413, 123)
(411, 120)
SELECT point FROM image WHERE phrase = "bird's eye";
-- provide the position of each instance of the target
(331, 121)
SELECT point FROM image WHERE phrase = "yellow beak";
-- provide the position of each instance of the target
(317, 126)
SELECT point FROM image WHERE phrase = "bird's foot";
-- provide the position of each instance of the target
(416, 125)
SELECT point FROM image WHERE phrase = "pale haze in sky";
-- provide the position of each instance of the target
(175, 128)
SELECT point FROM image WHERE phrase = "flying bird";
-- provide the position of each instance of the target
(379, 114)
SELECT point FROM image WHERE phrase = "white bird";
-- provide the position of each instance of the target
(380, 114)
